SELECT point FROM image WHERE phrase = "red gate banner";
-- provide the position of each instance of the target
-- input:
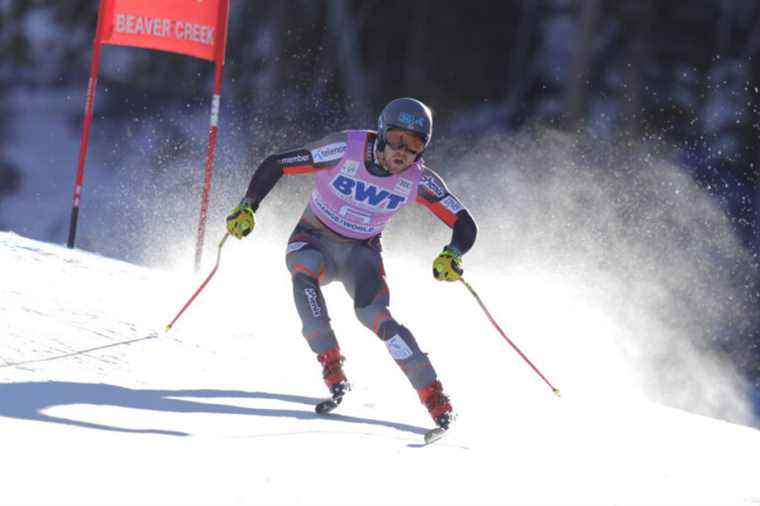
(178, 26)
(195, 28)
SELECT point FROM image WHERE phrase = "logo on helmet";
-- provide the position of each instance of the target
(411, 120)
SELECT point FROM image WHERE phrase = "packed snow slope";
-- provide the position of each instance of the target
(99, 406)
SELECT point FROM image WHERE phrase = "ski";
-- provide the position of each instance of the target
(434, 435)
(327, 406)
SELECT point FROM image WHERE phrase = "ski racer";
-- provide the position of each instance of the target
(362, 178)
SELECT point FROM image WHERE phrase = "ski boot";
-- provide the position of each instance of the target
(439, 407)
(335, 379)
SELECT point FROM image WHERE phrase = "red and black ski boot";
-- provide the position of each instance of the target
(335, 379)
(439, 407)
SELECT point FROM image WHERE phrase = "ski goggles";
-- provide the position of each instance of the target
(401, 139)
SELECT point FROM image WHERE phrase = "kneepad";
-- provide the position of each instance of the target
(399, 341)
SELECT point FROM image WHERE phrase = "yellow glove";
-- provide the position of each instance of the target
(240, 220)
(448, 265)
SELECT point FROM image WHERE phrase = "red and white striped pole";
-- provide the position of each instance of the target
(220, 44)
(513, 345)
(88, 113)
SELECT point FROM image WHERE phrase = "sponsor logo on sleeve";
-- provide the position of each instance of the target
(294, 160)
(329, 153)
(452, 204)
(432, 185)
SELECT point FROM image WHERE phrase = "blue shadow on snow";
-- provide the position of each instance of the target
(27, 401)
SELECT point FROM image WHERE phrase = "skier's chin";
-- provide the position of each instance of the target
(397, 166)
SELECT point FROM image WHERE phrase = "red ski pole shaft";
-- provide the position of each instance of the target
(488, 314)
(203, 285)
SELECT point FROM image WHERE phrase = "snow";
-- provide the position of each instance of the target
(220, 409)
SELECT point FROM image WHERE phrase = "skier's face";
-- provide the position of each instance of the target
(400, 151)
(396, 160)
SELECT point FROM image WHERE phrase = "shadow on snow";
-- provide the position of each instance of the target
(27, 401)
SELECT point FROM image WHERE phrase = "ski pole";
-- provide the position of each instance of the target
(203, 285)
(472, 291)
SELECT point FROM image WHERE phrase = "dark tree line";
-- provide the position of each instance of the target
(657, 64)
(687, 70)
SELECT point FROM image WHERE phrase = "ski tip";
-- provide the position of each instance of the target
(168, 328)
(556, 392)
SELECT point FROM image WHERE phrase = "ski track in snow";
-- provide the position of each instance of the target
(104, 408)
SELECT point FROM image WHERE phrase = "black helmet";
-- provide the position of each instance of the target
(409, 114)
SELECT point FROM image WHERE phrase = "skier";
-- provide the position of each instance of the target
(362, 178)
